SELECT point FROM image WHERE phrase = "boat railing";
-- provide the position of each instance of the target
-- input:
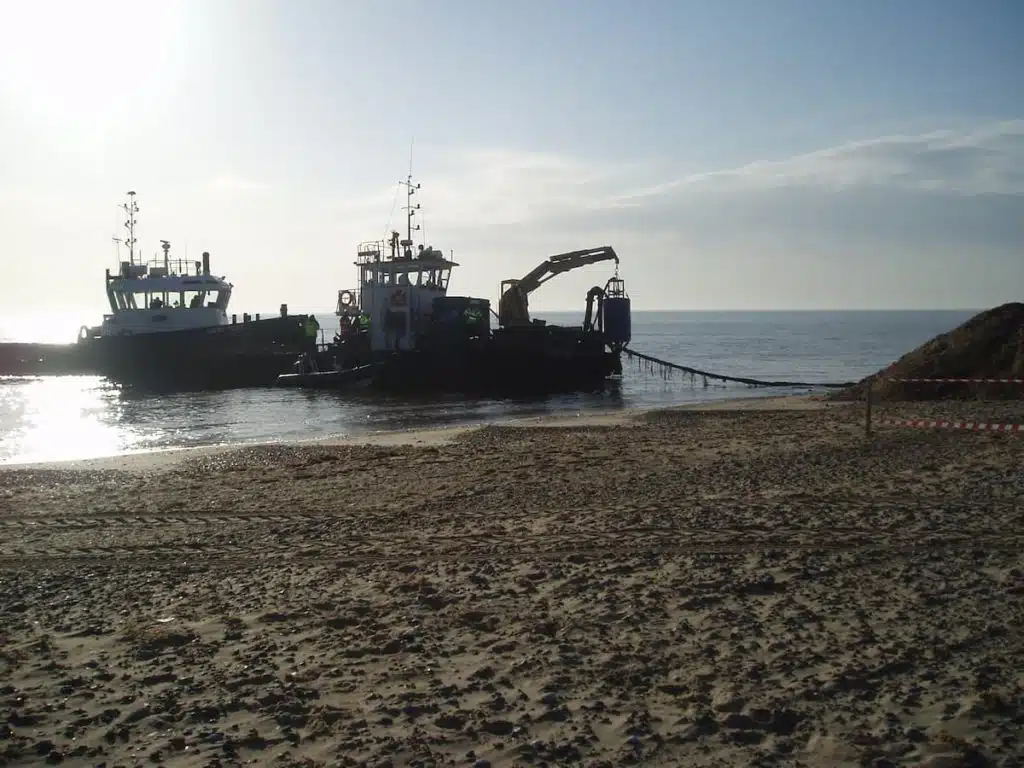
(370, 251)
(324, 344)
(375, 251)
(175, 268)
(159, 267)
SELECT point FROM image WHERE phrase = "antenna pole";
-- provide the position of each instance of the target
(408, 194)
(131, 208)
(410, 209)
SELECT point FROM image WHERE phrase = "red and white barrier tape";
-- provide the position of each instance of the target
(961, 381)
(977, 426)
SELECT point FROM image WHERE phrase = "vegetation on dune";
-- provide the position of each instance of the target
(989, 345)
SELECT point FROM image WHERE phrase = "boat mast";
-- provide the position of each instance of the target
(410, 190)
(131, 208)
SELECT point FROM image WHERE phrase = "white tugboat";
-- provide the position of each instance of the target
(169, 326)
(164, 295)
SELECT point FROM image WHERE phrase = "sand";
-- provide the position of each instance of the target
(752, 583)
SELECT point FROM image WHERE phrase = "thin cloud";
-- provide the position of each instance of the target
(986, 161)
(882, 217)
(485, 188)
(478, 189)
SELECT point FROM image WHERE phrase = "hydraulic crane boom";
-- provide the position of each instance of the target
(514, 305)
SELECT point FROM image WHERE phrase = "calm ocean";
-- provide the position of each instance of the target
(56, 418)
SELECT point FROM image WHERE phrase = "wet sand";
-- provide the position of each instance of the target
(749, 583)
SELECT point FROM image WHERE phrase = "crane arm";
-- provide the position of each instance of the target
(514, 303)
(565, 262)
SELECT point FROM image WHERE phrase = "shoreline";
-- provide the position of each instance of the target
(156, 459)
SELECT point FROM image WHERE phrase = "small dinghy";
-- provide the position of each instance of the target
(347, 378)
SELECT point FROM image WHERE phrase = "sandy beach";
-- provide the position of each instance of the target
(750, 583)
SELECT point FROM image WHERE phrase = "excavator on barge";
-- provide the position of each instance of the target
(403, 332)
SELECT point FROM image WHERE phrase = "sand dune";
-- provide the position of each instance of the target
(747, 584)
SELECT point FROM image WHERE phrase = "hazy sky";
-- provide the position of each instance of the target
(782, 154)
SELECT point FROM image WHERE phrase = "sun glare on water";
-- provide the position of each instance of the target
(57, 418)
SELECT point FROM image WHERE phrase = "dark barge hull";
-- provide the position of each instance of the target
(250, 354)
(520, 362)
(488, 373)
(245, 354)
(532, 360)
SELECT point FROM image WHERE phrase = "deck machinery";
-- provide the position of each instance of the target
(612, 318)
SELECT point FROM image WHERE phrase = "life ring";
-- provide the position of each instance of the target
(83, 333)
(346, 298)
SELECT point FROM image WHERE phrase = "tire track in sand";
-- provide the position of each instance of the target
(397, 549)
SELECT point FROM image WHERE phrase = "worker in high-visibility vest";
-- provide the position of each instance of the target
(312, 326)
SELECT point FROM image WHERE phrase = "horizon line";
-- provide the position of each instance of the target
(815, 309)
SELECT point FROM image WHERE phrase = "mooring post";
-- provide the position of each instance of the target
(867, 407)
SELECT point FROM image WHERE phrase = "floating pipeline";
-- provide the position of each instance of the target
(666, 368)
(32, 359)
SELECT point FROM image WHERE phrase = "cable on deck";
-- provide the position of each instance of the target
(694, 372)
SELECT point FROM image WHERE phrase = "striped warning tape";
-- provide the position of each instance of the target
(978, 426)
(961, 381)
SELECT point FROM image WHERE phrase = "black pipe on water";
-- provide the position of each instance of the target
(654, 361)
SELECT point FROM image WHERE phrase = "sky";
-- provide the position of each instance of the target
(737, 154)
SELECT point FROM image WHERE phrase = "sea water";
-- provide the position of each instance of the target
(58, 418)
